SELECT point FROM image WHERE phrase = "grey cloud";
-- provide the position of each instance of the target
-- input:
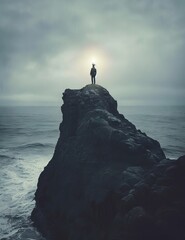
(144, 40)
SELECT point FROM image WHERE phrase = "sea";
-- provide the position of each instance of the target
(28, 136)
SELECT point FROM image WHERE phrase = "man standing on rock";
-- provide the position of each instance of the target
(93, 74)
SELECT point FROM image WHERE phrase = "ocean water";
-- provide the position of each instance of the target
(27, 140)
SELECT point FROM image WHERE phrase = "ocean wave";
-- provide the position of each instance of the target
(6, 156)
(35, 146)
(173, 152)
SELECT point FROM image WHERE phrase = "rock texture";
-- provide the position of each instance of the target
(107, 180)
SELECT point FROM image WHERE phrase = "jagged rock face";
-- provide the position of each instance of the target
(90, 116)
(94, 187)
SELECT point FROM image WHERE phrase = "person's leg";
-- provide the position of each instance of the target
(92, 79)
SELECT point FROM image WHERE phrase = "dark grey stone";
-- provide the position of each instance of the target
(102, 168)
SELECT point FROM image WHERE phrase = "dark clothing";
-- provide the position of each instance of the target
(93, 74)
(93, 80)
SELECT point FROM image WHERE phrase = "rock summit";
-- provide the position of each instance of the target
(107, 180)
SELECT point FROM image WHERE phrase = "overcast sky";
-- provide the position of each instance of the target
(47, 46)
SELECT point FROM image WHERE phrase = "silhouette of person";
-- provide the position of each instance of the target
(93, 74)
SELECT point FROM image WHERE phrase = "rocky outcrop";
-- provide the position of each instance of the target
(107, 180)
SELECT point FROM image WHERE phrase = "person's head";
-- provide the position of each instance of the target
(93, 64)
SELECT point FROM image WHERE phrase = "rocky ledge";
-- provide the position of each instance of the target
(107, 180)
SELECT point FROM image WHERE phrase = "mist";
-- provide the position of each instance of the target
(138, 48)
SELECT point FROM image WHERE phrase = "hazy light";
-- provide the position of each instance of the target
(93, 55)
(93, 60)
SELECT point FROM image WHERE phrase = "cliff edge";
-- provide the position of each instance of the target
(107, 180)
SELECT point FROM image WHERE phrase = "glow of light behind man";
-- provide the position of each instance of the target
(93, 61)
(93, 55)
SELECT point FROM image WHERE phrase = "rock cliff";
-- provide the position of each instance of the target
(107, 180)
